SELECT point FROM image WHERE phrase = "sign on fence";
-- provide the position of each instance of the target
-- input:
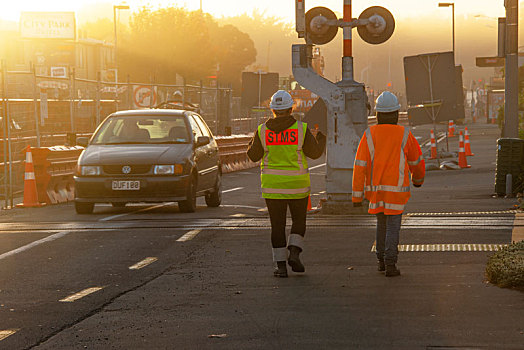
(43, 107)
(144, 96)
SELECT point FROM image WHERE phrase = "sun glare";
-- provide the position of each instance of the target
(278, 8)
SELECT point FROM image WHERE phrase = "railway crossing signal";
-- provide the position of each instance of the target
(345, 100)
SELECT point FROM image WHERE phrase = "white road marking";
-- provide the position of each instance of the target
(143, 263)
(233, 189)
(80, 294)
(189, 236)
(239, 206)
(6, 333)
(136, 211)
(447, 247)
(317, 166)
(34, 244)
(262, 209)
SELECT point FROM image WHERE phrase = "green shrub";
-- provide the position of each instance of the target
(505, 268)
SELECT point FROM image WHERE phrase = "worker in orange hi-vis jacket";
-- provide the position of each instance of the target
(386, 157)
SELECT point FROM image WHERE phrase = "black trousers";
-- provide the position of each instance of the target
(277, 209)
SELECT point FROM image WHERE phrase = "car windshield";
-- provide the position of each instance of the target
(145, 129)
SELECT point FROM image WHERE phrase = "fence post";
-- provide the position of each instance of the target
(129, 93)
(216, 108)
(7, 126)
(201, 97)
(35, 105)
(116, 89)
(4, 95)
(72, 98)
(97, 102)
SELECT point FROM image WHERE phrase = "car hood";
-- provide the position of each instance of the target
(135, 154)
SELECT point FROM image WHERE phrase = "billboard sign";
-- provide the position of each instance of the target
(48, 25)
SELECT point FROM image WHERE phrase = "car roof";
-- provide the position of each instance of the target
(152, 112)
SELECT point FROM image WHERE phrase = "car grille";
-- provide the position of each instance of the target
(135, 169)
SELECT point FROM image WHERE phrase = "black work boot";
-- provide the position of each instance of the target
(294, 260)
(281, 269)
(381, 265)
(392, 271)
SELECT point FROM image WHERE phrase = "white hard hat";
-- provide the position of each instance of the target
(281, 100)
(177, 93)
(387, 102)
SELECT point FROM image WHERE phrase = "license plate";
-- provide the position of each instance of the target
(125, 185)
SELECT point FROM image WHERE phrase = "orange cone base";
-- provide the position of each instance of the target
(309, 208)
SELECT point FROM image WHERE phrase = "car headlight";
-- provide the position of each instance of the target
(90, 170)
(172, 169)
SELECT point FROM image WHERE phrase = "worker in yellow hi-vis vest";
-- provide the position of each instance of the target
(282, 144)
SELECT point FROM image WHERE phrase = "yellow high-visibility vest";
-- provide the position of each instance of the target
(284, 169)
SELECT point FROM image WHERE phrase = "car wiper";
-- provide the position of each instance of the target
(170, 142)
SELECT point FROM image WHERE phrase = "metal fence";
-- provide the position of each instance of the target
(45, 111)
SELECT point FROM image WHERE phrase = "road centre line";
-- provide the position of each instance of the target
(239, 206)
(136, 211)
(6, 333)
(189, 236)
(80, 295)
(143, 263)
(233, 189)
(34, 244)
(317, 166)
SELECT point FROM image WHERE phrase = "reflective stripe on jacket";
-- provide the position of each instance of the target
(385, 157)
(284, 169)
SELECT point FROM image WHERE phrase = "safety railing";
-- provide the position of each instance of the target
(232, 151)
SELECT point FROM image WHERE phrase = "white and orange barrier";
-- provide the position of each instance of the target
(462, 162)
(467, 145)
(433, 146)
(451, 129)
(30, 191)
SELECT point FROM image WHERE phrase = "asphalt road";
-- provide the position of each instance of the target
(204, 280)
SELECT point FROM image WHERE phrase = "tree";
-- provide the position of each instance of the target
(101, 29)
(171, 41)
(234, 52)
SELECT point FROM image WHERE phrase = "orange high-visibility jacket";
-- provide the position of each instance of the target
(385, 157)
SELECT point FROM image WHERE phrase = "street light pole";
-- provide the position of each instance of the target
(117, 7)
(511, 84)
(452, 5)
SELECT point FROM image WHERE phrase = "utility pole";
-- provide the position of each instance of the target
(511, 84)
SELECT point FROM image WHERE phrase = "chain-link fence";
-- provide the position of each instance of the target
(42, 111)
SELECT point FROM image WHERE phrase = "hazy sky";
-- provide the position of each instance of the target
(281, 8)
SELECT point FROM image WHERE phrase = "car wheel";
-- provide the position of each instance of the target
(84, 207)
(118, 204)
(189, 205)
(214, 198)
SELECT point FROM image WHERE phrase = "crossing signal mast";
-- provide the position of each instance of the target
(345, 100)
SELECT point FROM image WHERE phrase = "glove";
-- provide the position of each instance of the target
(417, 185)
(357, 204)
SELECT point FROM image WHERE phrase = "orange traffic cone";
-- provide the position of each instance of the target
(433, 146)
(467, 146)
(463, 163)
(309, 207)
(451, 129)
(30, 192)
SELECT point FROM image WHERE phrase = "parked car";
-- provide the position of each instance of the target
(153, 155)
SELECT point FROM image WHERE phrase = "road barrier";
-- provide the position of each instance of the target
(54, 169)
(232, 151)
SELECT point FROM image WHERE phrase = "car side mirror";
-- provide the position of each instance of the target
(202, 140)
(82, 141)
